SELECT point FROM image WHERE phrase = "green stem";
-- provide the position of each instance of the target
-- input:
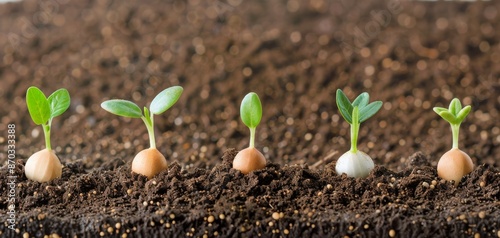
(252, 138)
(46, 132)
(455, 130)
(354, 130)
(151, 131)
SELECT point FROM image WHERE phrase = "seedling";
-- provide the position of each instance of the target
(454, 164)
(355, 163)
(44, 165)
(250, 159)
(148, 162)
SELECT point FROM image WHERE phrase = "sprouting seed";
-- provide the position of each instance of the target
(455, 163)
(44, 165)
(355, 163)
(148, 162)
(250, 159)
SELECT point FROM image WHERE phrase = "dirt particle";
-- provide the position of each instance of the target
(392, 233)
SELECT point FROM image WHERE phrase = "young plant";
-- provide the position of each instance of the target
(455, 163)
(44, 165)
(250, 159)
(355, 163)
(148, 162)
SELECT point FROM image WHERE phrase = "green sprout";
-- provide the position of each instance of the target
(44, 165)
(356, 112)
(251, 113)
(355, 163)
(454, 115)
(42, 110)
(148, 162)
(162, 102)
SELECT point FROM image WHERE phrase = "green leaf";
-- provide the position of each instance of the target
(448, 117)
(59, 102)
(455, 106)
(165, 99)
(251, 110)
(463, 113)
(122, 108)
(439, 109)
(344, 106)
(38, 105)
(369, 110)
(361, 101)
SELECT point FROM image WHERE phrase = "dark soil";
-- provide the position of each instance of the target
(294, 54)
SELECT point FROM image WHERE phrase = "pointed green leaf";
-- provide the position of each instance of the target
(344, 106)
(463, 113)
(122, 108)
(455, 106)
(439, 109)
(59, 102)
(38, 105)
(361, 101)
(165, 99)
(448, 117)
(251, 110)
(369, 110)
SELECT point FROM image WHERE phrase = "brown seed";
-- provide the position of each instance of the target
(149, 162)
(453, 165)
(248, 160)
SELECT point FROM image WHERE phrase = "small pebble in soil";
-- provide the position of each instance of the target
(276, 216)
(482, 214)
(392, 233)
(211, 219)
(222, 216)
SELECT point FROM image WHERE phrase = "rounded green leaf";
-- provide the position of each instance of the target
(463, 113)
(369, 110)
(362, 100)
(455, 106)
(122, 108)
(59, 102)
(165, 99)
(251, 110)
(38, 105)
(344, 106)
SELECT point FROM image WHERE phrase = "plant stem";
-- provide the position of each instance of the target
(46, 132)
(151, 131)
(354, 130)
(455, 129)
(252, 138)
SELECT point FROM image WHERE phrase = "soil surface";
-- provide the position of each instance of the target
(295, 55)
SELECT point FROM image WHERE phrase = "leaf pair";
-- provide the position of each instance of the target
(251, 110)
(162, 102)
(366, 110)
(42, 110)
(455, 114)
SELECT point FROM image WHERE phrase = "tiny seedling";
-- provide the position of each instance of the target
(454, 164)
(250, 159)
(355, 163)
(44, 165)
(148, 162)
